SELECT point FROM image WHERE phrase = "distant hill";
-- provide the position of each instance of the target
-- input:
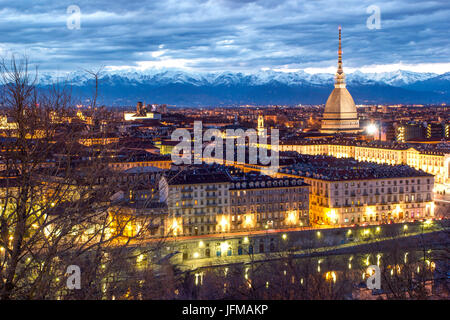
(181, 88)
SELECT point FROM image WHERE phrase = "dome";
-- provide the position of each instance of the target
(340, 113)
(340, 105)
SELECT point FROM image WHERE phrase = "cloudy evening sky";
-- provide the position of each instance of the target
(234, 35)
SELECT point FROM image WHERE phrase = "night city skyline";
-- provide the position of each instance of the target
(225, 158)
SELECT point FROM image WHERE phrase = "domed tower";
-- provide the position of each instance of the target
(340, 113)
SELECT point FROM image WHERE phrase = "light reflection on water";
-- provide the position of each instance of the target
(335, 267)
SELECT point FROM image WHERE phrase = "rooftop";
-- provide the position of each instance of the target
(146, 169)
(198, 175)
(440, 148)
(261, 181)
(338, 169)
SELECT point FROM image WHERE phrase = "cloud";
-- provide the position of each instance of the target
(235, 35)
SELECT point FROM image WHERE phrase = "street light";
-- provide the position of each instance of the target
(372, 129)
(224, 246)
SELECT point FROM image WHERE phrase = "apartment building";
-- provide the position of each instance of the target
(431, 159)
(344, 191)
(210, 200)
(261, 202)
(197, 200)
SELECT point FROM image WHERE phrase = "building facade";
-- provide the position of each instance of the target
(346, 192)
(268, 203)
(197, 201)
(209, 202)
(435, 161)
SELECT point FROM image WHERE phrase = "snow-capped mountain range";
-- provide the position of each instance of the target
(179, 87)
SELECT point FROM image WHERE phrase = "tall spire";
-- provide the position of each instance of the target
(340, 75)
(340, 114)
(340, 53)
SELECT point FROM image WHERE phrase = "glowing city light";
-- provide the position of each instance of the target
(370, 271)
(198, 278)
(291, 218)
(224, 223)
(224, 246)
(370, 210)
(249, 221)
(331, 276)
(332, 215)
(397, 210)
(176, 226)
(371, 129)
